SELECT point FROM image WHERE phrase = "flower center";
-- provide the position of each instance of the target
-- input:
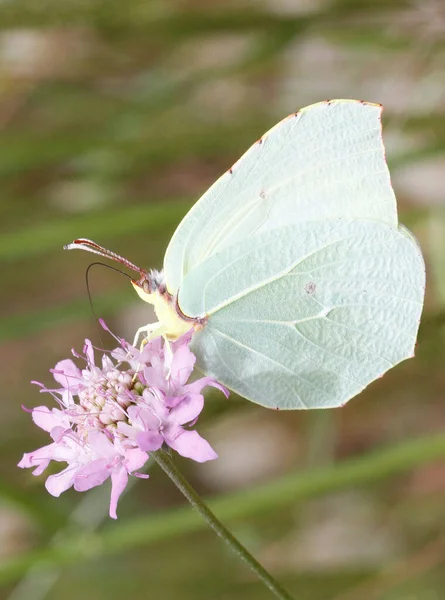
(104, 402)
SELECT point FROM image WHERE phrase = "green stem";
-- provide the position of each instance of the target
(165, 462)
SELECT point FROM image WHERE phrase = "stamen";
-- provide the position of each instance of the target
(107, 329)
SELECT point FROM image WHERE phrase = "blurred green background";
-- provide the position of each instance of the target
(114, 118)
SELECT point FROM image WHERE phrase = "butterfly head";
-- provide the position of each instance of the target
(149, 283)
(150, 286)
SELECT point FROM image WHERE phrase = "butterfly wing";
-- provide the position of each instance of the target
(323, 162)
(306, 316)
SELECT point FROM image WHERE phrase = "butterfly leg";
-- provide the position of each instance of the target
(151, 331)
(168, 355)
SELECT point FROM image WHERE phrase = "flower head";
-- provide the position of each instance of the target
(110, 416)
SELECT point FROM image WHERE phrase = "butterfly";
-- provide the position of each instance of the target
(299, 284)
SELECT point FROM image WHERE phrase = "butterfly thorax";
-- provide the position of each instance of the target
(152, 289)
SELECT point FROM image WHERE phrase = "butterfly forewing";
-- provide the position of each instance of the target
(326, 161)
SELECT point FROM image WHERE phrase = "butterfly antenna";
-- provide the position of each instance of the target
(90, 246)
(87, 273)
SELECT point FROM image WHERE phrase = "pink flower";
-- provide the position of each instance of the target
(90, 462)
(170, 372)
(152, 423)
(110, 416)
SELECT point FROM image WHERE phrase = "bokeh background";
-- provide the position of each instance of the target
(114, 118)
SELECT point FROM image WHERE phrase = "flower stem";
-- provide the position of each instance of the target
(165, 462)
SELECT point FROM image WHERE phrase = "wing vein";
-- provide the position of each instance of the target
(337, 355)
(273, 278)
(249, 349)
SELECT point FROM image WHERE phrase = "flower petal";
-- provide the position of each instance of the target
(149, 441)
(58, 433)
(135, 459)
(154, 399)
(60, 482)
(47, 419)
(67, 398)
(67, 374)
(184, 339)
(199, 384)
(182, 365)
(189, 444)
(68, 448)
(38, 459)
(152, 349)
(119, 479)
(41, 457)
(92, 475)
(155, 378)
(101, 445)
(88, 350)
(188, 409)
(127, 430)
(144, 418)
(172, 401)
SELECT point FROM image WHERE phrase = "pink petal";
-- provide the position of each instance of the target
(47, 419)
(67, 398)
(92, 475)
(119, 479)
(144, 418)
(120, 354)
(58, 433)
(183, 340)
(65, 450)
(182, 365)
(172, 401)
(135, 357)
(39, 459)
(67, 374)
(101, 445)
(158, 408)
(189, 444)
(188, 409)
(26, 461)
(107, 363)
(135, 459)
(88, 350)
(150, 350)
(199, 384)
(149, 441)
(127, 430)
(155, 378)
(56, 484)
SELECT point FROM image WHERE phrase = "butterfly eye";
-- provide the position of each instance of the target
(146, 285)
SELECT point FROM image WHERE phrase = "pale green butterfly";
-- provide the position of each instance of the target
(292, 269)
